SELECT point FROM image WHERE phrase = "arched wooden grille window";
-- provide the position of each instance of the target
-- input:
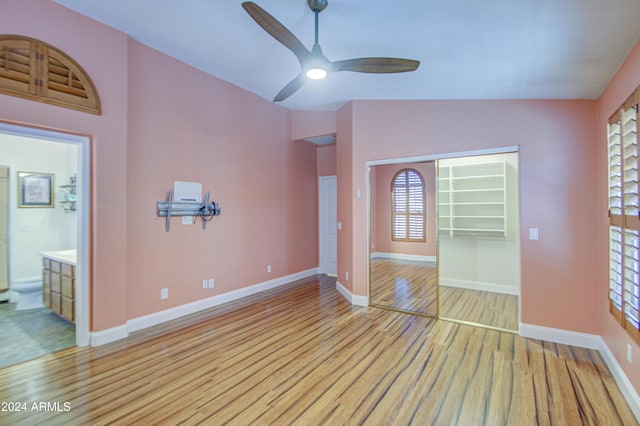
(408, 206)
(35, 70)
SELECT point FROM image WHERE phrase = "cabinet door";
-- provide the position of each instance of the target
(67, 284)
(67, 309)
(55, 282)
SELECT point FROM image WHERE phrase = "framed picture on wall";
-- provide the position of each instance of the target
(35, 189)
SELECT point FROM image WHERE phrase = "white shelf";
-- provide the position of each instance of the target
(472, 199)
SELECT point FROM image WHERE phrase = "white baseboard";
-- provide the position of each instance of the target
(98, 338)
(479, 285)
(589, 341)
(135, 324)
(556, 335)
(354, 299)
(400, 256)
(627, 389)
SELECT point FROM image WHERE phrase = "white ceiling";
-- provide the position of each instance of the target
(468, 49)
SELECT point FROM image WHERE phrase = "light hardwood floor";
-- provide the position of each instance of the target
(411, 286)
(303, 355)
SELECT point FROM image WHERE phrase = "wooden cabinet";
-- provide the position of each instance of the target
(58, 288)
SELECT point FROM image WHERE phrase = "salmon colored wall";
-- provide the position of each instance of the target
(306, 124)
(557, 156)
(201, 129)
(327, 164)
(102, 52)
(344, 155)
(620, 87)
(382, 207)
(164, 121)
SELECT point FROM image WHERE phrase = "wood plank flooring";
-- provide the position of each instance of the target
(304, 356)
(411, 286)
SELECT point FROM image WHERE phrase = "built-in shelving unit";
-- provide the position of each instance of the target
(69, 202)
(472, 199)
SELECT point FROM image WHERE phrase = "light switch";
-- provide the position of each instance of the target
(534, 234)
(339, 226)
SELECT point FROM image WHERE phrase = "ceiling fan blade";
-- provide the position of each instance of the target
(290, 88)
(276, 30)
(376, 65)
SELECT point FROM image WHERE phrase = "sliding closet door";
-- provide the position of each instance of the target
(4, 219)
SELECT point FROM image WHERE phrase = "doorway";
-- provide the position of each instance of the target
(472, 274)
(328, 225)
(38, 225)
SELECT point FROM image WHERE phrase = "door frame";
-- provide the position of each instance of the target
(322, 237)
(83, 212)
(419, 159)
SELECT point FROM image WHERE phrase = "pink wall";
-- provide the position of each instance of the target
(557, 141)
(306, 124)
(238, 146)
(382, 209)
(102, 52)
(620, 87)
(327, 163)
(164, 121)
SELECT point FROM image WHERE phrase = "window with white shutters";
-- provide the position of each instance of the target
(408, 206)
(624, 223)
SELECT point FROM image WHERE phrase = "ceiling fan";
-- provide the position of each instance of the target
(314, 63)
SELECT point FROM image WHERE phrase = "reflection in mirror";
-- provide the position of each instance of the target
(403, 273)
(478, 236)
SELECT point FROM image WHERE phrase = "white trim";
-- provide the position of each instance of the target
(627, 389)
(135, 324)
(354, 299)
(480, 285)
(109, 335)
(400, 256)
(589, 341)
(83, 143)
(432, 157)
(556, 335)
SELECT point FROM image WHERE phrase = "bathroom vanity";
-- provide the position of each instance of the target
(58, 282)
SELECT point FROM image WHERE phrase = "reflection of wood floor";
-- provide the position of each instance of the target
(483, 307)
(303, 355)
(411, 286)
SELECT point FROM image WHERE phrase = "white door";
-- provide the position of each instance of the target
(328, 215)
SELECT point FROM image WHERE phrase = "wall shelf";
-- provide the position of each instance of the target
(69, 202)
(472, 199)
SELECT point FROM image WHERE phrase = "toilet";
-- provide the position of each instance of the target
(27, 293)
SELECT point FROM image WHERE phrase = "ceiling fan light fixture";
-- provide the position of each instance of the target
(316, 73)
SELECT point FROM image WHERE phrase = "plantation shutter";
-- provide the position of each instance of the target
(408, 205)
(624, 223)
(35, 70)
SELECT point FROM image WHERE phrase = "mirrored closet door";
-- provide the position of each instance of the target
(403, 273)
(478, 240)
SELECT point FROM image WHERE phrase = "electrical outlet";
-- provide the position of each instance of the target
(211, 282)
(629, 354)
(204, 284)
(164, 293)
(269, 268)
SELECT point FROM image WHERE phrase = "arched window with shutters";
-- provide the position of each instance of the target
(35, 70)
(408, 206)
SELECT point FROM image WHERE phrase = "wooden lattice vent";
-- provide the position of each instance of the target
(35, 70)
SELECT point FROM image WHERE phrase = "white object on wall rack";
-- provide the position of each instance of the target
(472, 199)
(205, 210)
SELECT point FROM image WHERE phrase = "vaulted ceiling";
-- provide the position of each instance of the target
(468, 49)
